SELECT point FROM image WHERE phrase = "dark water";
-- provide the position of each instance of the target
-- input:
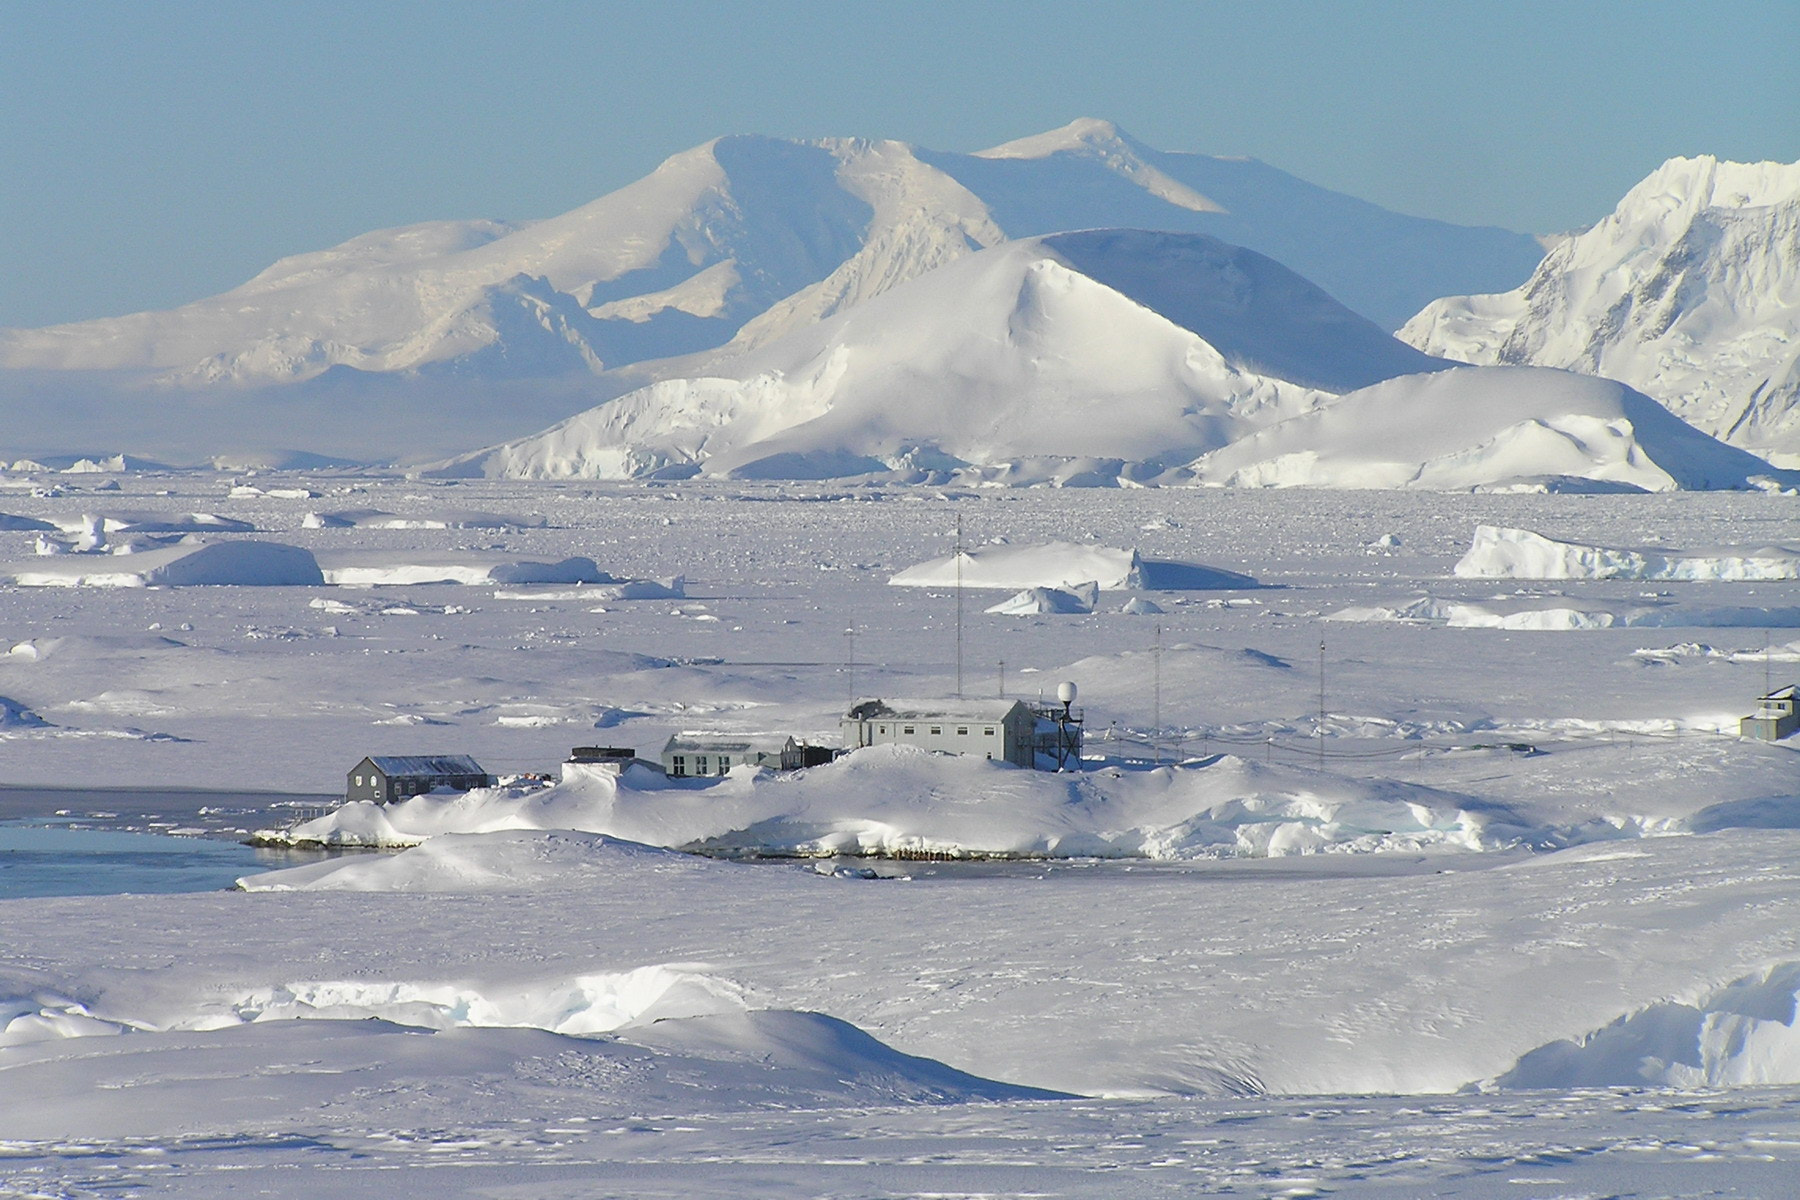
(41, 859)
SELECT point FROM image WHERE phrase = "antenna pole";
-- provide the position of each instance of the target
(1156, 695)
(959, 605)
(1321, 737)
(850, 686)
(1003, 679)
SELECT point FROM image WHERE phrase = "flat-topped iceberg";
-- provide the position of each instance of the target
(374, 567)
(1063, 565)
(1501, 553)
(185, 564)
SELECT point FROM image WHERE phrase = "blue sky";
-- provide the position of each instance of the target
(154, 153)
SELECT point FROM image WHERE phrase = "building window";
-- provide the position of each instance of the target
(678, 764)
(962, 731)
(909, 729)
(936, 730)
(987, 732)
(881, 728)
(724, 763)
(700, 764)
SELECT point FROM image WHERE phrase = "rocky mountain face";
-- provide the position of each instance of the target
(1688, 291)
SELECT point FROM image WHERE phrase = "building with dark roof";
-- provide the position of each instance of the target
(385, 778)
(1775, 717)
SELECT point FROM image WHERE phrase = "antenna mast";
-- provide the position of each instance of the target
(850, 686)
(1156, 695)
(959, 605)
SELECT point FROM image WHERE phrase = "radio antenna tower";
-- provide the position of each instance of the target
(959, 605)
(1321, 704)
(1156, 695)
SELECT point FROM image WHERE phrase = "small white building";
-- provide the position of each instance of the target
(694, 752)
(593, 762)
(1775, 716)
(1003, 730)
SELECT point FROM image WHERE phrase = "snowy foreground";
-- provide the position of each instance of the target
(1511, 913)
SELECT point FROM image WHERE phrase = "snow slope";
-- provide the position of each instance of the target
(1486, 427)
(1688, 291)
(1000, 361)
(742, 228)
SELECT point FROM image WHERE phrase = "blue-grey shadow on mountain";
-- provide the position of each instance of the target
(1255, 312)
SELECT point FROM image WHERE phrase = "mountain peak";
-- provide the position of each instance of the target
(1083, 133)
(1707, 182)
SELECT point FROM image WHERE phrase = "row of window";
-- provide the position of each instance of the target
(678, 764)
(938, 730)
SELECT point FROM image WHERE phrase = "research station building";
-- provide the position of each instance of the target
(698, 753)
(385, 778)
(1775, 717)
(1003, 730)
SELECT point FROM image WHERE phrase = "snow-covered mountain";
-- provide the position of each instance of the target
(1145, 349)
(1689, 291)
(1109, 356)
(743, 240)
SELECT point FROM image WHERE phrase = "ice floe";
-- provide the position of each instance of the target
(375, 518)
(1552, 613)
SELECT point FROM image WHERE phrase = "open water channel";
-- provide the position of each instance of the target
(56, 842)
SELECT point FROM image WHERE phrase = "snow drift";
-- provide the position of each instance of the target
(1744, 1034)
(1689, 290)
(889, 800)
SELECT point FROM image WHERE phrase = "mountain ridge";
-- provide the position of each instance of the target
(738, 241)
